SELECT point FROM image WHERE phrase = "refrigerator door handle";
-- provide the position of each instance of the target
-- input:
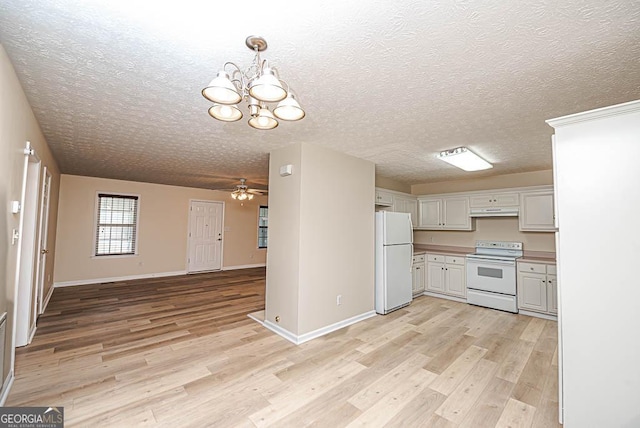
(411, 261)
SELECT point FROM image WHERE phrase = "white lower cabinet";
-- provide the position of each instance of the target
(537, 288)
(418, 274)
(446, 275)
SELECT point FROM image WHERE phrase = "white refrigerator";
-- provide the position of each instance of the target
(394, 257)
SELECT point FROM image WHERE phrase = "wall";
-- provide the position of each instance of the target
(496, 229)
(598, 196)
(18, 125)
(322, 241)
(390, 184)
(523, 179)
(283, 260)
(337, 235)
(162, 234)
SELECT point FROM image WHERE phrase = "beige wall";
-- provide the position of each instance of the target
(492, 229)
(523, 179)
(163, 229)
(497, 229)
(283, 260)
(322, 241)
(18, 125)
(388, 183)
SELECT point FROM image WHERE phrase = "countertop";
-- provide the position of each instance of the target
(538, 257)
(442, 249)
(529, 256)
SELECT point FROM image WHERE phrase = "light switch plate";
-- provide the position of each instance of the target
(15, 207)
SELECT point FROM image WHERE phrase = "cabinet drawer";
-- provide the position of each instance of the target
(551, 270)
(418, 258)
(454, 260)
(532, 267)
(435, 258)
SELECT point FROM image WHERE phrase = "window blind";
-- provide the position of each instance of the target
(117, 225)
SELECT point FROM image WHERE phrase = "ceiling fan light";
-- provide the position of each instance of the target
(264, 120)
(221, 90)
(267, 87)
(289, 109)
(225, 113)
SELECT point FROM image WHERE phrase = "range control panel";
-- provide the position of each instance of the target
(501, 245)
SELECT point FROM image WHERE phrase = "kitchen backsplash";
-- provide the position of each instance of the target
(491, 228)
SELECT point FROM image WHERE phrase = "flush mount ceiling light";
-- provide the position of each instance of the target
(464, 158)
(258, 85)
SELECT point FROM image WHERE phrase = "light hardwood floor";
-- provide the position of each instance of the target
(181, 351)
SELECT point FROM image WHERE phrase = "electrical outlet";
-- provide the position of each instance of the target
(339, 299)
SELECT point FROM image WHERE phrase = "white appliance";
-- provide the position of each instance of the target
(394, 257)
(491, 275)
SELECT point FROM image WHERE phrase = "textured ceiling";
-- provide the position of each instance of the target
(116, 84)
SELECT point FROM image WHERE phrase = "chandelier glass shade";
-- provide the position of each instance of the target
(258, 85)
(242, 191)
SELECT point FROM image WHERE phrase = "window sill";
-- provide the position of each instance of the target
(115, 256)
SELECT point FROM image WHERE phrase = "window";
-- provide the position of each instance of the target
(117, 225)
(263, 219)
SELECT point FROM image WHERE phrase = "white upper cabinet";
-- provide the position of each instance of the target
(537, 211)
(494, 200)
(445, 213)
(383, 198)
(404, 204)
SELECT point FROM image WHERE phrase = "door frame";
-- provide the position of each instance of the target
(43, 242)
(186, 259)
(27, 244)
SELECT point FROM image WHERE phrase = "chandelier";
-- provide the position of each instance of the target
(258, 85)
(242, 191)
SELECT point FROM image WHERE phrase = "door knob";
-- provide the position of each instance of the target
(44, 251)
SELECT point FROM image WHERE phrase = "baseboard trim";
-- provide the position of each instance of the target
(244, 266)
(6, 387)
(297, 340)
(117, 278)
(46, 299)
(444, 296)
(538, 315)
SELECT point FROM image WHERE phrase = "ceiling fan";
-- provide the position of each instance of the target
(242, 192)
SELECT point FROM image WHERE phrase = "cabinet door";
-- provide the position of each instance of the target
(429, 211)
(481, 201)
(506, 200)
(384, 198)
(418, 278)
(412, 208)
(537, 212)
(455, 283)
(456, 213)
(552, 294)
(435, 277)
(532, 291)
(406, 205)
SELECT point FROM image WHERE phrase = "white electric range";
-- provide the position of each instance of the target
(491, 275)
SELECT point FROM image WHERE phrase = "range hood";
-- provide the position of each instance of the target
(494, 212)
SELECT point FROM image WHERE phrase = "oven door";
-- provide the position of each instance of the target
(497, 276)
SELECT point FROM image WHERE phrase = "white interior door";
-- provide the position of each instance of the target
(43, 248)
(24, 326)
(205, 236)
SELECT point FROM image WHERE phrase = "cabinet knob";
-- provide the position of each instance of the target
(531, 268)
